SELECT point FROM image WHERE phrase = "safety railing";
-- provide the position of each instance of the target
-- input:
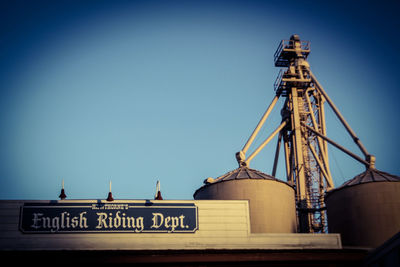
(286, 46)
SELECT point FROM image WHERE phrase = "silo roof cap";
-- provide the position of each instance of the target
(241, 173)
(369, 176)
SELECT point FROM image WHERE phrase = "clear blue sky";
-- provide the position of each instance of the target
(140, 91)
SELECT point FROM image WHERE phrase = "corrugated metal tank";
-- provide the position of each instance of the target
(366, 209)
(271, 201)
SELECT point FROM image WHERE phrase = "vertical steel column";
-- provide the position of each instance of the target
(301, 181)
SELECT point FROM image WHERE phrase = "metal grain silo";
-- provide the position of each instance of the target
(271, 202)
(366, 209)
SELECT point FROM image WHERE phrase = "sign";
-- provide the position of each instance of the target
(148, 217)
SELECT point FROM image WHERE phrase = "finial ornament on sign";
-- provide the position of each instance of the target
(110, 197)
(62, 195)
(158, 192)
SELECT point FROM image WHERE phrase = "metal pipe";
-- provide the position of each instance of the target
(321, 111)
(351, 154)
(260, 124)
(283, 124)
(339, 115)
(278, 147)
(287, 158)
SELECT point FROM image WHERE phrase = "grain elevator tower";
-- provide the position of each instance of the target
(308, 196)
(303, 134)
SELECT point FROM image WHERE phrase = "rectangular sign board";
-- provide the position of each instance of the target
(146, 217)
